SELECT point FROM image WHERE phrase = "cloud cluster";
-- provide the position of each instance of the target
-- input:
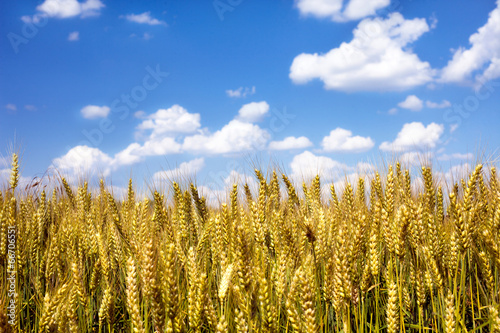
(236, 136)
(415, 135)
(307, 165)
(70, 8)
(415, 104)
(169, 122)
(171, 131)
(376, 59)
(339, 10)
(482, 57)
(342, 140)
(83, 160)
(185, 169)
(143, 18)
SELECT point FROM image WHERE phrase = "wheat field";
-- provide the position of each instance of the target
(388, 259)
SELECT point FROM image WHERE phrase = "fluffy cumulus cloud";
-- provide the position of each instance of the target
(171, 121)
(144, 18)
(412, 102)
(241, 92)
(253, 112)
(170, 131)
(69, 8)
(342, 140)
(236, 136)
(307, 165)
(185, 170)
(136, 152)
(415, 135)
(482, 57)
(83, 160)
(95, 111)
(339, 10)
(378, 58)
(290, 142)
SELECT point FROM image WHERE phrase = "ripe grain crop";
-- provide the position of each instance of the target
(381, 256)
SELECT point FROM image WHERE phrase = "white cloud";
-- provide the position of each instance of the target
(95, 111)
(236, 136)
(11, 107)
(377, 59)
(185, 170)
(135, 152)
(412, 102)
(253, 112)
(342, 140)
(340, 11)
(74, 36)
(166, 128)
(171, 121)
(147, 36)
(241, 92)
(393, 111)
(413, 158)
(415, 135)
(216, 191)
(484, 51)
(130, 155)
(453, 127)
(83, 160)
(290, 142)
(144, 18)
(306, 166)
(70, 8)
(434, 105)
(453, 175)
(456, 156)
(30, 107)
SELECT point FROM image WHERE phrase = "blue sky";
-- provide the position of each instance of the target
(214, 88)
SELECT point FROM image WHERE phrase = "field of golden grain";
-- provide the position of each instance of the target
(384, 260)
